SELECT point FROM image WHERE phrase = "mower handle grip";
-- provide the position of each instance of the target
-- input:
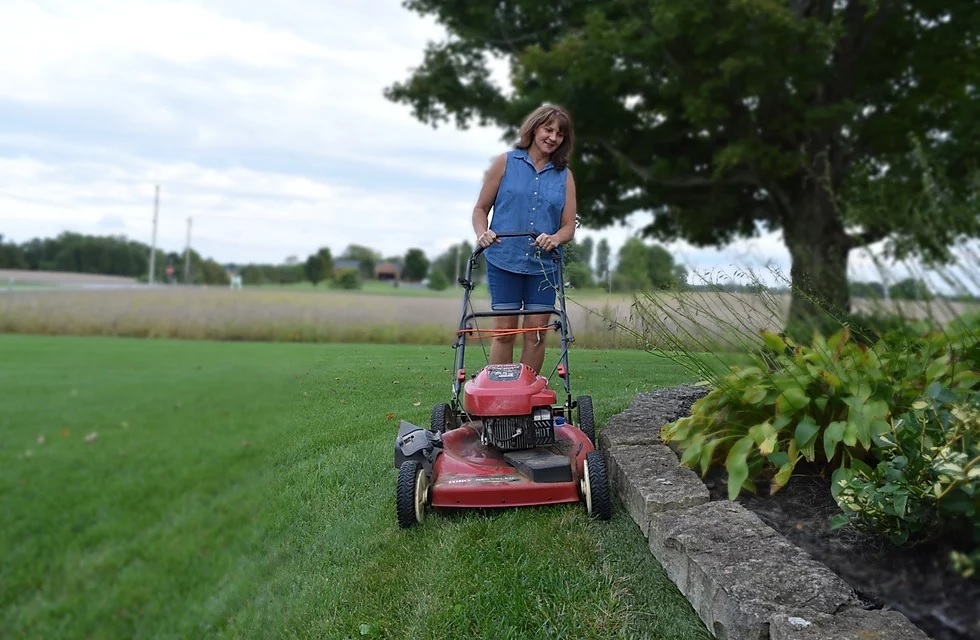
(505, 234)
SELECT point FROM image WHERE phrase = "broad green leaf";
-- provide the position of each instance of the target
(782, 477)
(937, 368)
(851, 432)
(832, 436)
(839, 479)
(831, 379)
(779, 458)
(781, 422)
(900, 500)
(707, 453)
(791, 400)
(768, 445)
(737, 465)
(692, 451)
(966, 379)
(773, 342)
(754, 395)
(806, 436)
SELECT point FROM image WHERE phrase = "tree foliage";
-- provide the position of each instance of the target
(839, 122)
(642, 268)
(910, 289)
(602, 259)
(416, 266)
(319, 266)
(452, 263)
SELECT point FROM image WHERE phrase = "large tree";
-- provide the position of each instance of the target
(731, 118)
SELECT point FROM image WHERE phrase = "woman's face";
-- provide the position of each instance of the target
(548, 137)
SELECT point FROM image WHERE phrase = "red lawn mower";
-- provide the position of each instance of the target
(502, 440)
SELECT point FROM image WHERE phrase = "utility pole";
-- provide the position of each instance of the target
(153, 244)
(187, 254)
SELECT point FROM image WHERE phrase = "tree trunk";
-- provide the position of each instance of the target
(819, 247)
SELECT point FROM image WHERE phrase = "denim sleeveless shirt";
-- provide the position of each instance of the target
(527, 200)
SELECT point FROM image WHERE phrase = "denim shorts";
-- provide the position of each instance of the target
(516, 291)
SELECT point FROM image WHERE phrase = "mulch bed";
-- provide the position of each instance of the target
(915, 581)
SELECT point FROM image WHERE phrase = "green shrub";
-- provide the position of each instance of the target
(823, 403)
(899, 422)
(438, 281)
(347, 279)
(928, 479)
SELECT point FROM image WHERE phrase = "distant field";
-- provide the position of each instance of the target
(382, 314)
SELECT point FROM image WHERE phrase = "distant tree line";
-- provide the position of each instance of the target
(639, 266)
(107, 255)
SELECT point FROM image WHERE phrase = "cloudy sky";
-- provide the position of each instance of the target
(263, 123)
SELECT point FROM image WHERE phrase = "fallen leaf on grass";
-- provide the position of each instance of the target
(416, 404)
(65, 433)
(390, 416)
(91, 437)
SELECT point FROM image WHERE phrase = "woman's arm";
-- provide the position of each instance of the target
(484, 202)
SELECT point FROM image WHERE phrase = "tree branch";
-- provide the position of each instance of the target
(743, 178)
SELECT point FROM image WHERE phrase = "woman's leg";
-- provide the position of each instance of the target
(532, 352)
(502, 347)
(539, 295)
(505, 295)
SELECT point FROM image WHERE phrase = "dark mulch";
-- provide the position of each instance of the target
(915, 581)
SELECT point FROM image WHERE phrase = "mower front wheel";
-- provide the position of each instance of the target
(586, 417)
(595, 487)
(413, 493)
(443, 419)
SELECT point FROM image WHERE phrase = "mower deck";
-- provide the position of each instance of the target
(470, 474)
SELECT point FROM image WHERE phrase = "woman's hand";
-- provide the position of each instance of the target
(487, 238)
(548, 242)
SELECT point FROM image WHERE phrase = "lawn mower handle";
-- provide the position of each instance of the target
(504, 234)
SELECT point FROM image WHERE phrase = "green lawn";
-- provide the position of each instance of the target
(169, 489)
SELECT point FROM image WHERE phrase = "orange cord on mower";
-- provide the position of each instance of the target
(504, 332)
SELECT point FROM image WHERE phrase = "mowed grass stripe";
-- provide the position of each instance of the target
(246, 490)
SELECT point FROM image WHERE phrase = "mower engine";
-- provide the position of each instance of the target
(514, 404)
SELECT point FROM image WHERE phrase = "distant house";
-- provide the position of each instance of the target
(384, 271)
(388, 271)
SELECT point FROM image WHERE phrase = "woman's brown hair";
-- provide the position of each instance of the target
(543, 115)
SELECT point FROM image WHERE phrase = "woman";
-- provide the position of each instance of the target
(530, 189)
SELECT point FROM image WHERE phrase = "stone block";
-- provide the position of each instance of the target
(849, 624)
(737, 572)
(641, 423)
(649, 479)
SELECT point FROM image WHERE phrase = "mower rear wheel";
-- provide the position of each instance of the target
(586, 417)
(443, 419)
(413, 493)
(595, 487)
